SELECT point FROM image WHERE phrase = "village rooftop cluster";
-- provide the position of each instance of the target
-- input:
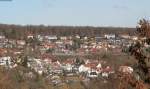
(41, 51)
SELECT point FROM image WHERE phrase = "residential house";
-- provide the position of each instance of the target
(77, 36)
(126, 69)
(38, 65)
(90, 67)
(92, 75)
(2, 37)
(50, 38)
(30, 36)
(68, 65)
(107, 71)
(21, 42)
(56, 68)
(110, 36)
(40, 37)
(125, 36)
(134, 38)
(5, 61)
(63, 38)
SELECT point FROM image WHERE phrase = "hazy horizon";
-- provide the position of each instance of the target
(95, 13)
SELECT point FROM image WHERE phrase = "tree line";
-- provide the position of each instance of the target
(20, 31)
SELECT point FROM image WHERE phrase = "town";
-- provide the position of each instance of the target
(74, 44)
(32, 58)
(73, 57)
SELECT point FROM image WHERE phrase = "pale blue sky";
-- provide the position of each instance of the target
(75, 12)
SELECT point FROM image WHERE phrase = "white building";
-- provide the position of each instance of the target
(5, 61)
(63, 38)
(110, 36)
(21, 42)
(83, 68)
(51, 37)
(125, 36)
(2, 37)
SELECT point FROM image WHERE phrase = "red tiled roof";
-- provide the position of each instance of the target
(91, 65)
(48, 56)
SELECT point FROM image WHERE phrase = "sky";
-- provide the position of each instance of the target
(116, 13)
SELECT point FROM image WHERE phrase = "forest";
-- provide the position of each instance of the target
(20, 31)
